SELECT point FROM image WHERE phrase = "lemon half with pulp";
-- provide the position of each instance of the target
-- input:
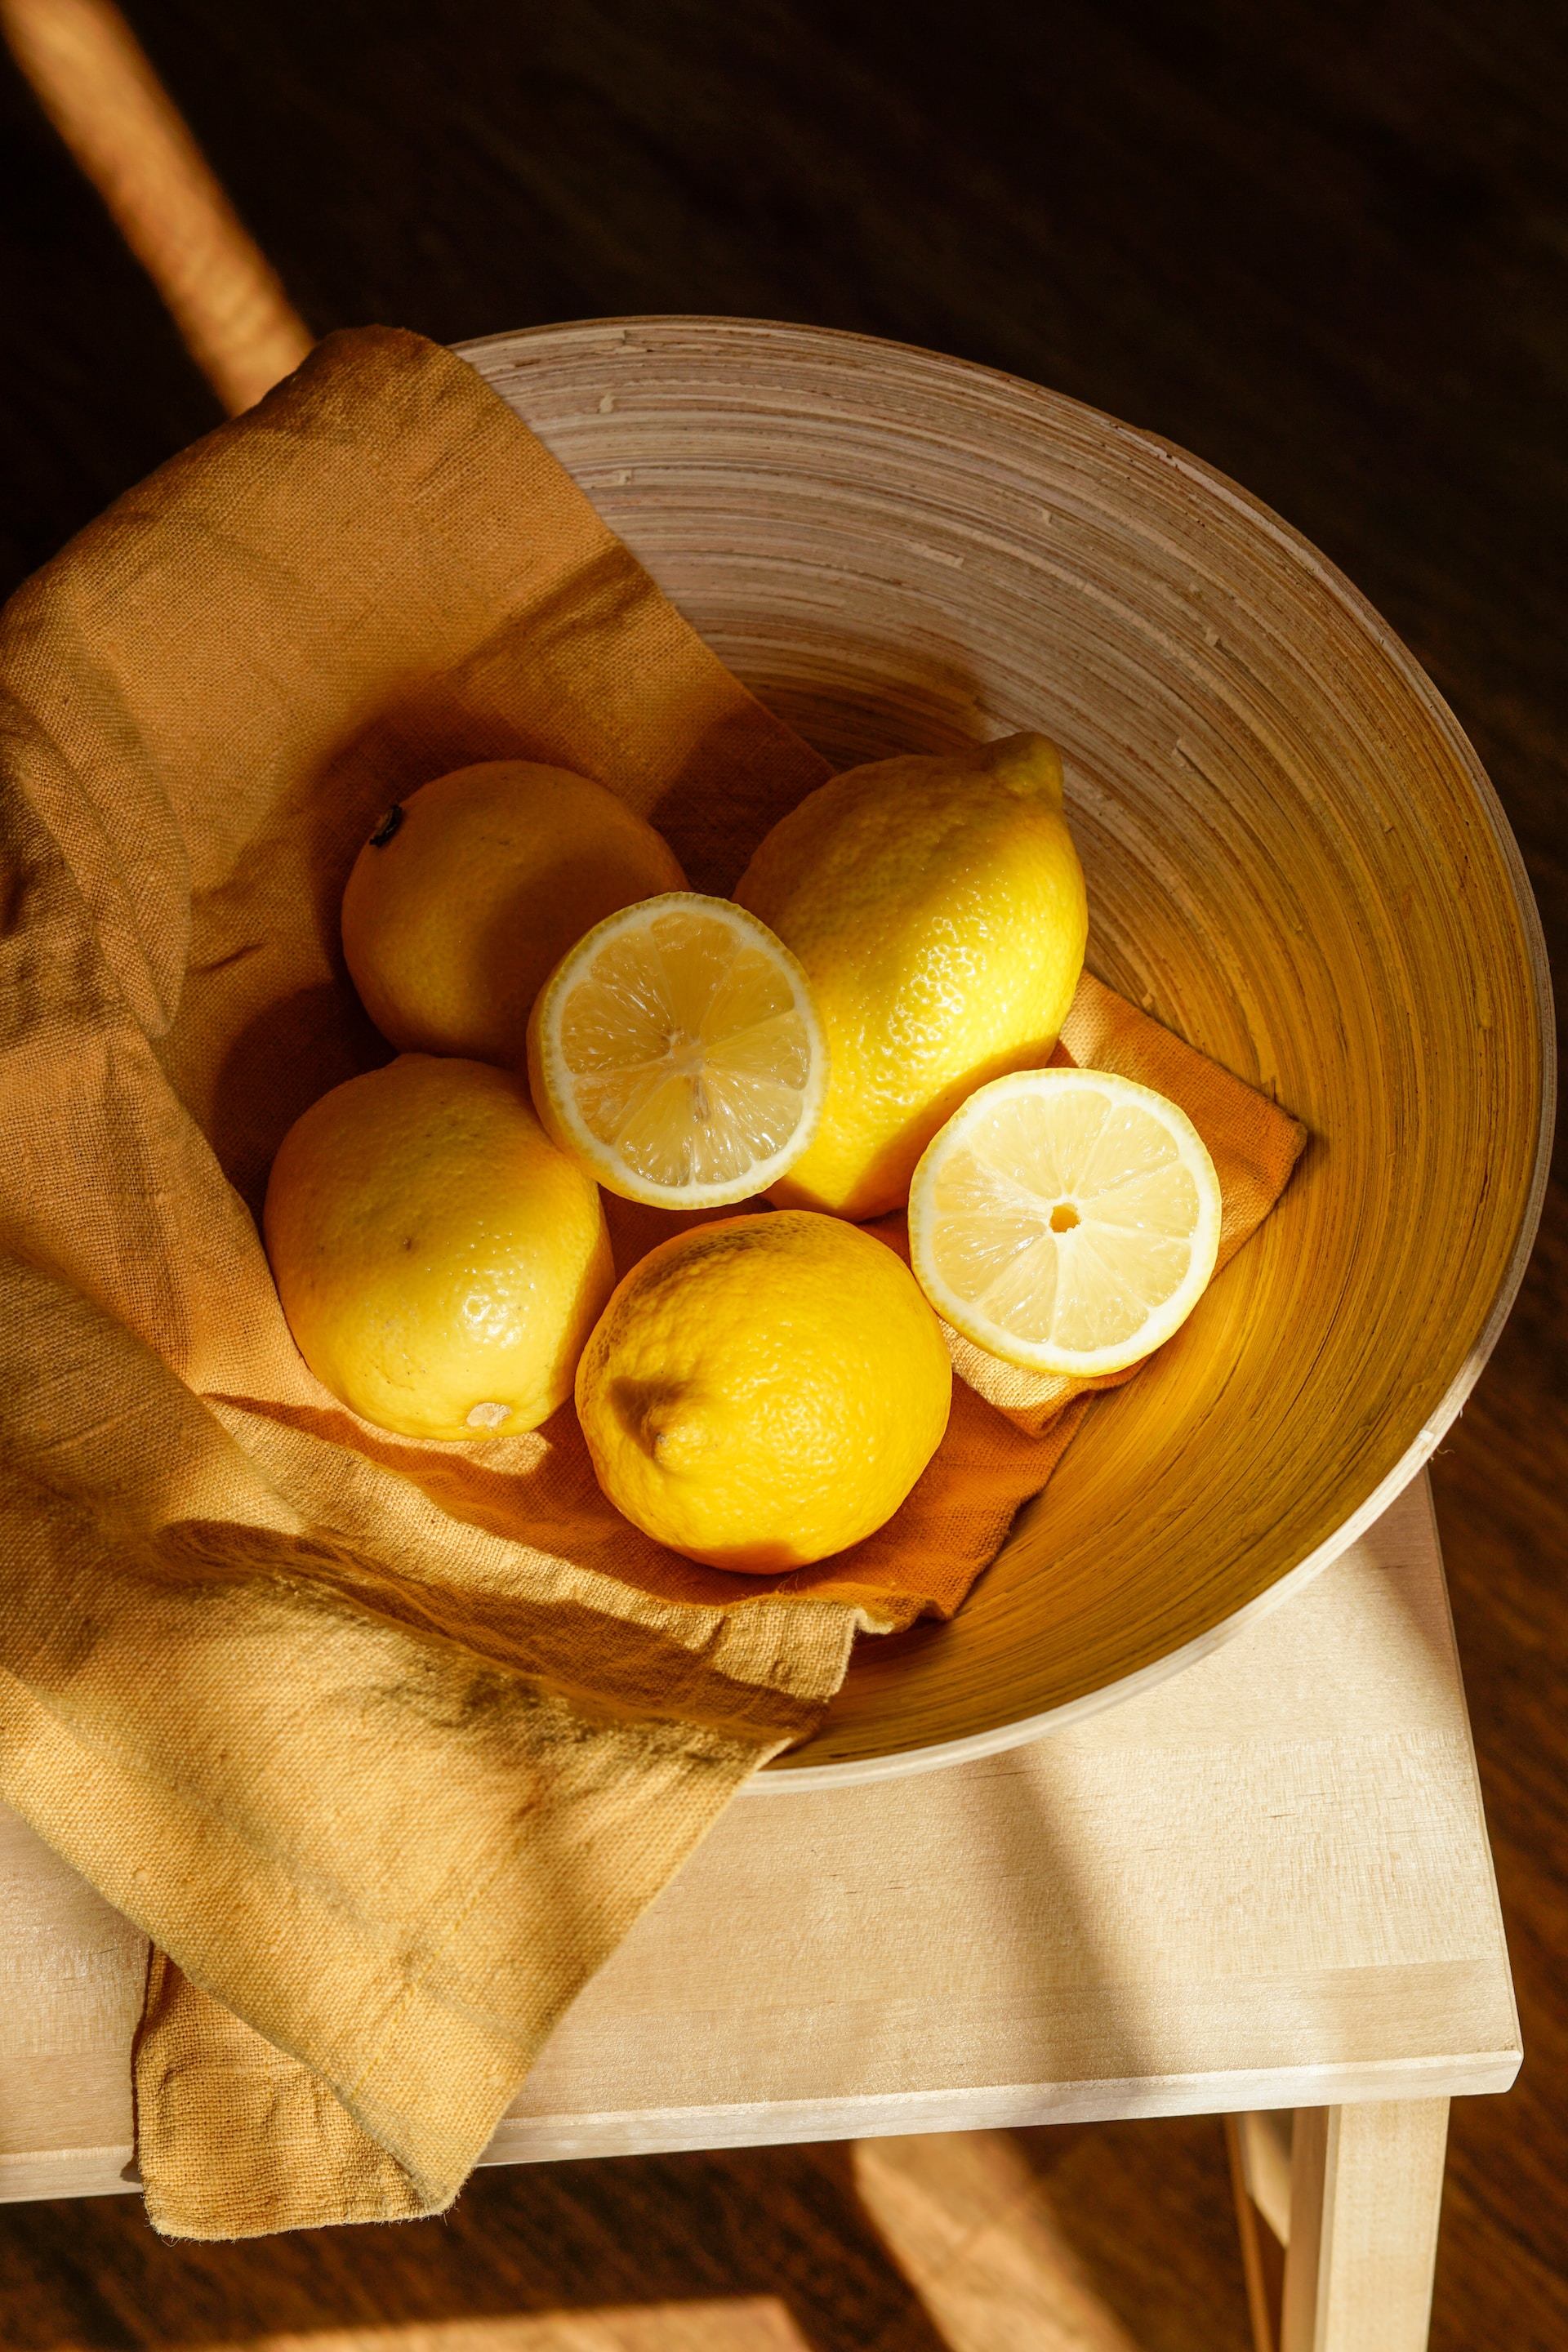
(675, 1052)
(1067, 1221)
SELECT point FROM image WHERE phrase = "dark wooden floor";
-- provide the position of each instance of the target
(1326, 246)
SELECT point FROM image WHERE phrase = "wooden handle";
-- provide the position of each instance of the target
(102, 96)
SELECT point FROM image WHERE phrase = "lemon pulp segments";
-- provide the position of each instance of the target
(677, 1051)
(1066, 1220)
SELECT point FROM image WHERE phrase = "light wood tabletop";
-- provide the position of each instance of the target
(1265, 1884)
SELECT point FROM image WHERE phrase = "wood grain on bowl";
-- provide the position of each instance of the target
(1293, 859)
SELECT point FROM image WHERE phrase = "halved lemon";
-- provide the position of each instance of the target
(1066, 1220)
(676, 1051)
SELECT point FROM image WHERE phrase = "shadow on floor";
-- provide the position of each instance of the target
(1134, 2219)
(783, 2223)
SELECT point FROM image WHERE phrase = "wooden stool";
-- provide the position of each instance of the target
(1264, 1886)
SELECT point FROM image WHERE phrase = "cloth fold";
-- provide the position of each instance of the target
(384, 1744)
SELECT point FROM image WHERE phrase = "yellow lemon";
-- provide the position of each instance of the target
(439, 1262)
(468, 892)
(676, 1052)
(765, 1391)
(937, 906)
(1067, 1221)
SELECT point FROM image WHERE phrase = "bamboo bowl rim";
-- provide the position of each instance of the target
(647, 411)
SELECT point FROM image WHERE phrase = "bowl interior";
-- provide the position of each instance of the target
(1293, 860)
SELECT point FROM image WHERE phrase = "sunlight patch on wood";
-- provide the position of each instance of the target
(972, 2228)
(722, 2324)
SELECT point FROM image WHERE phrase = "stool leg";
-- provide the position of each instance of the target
(1366, 2182)
(1262, 2252)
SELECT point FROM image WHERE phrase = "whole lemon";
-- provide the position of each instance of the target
(937, 906)
(469, 892)
(764, 1391)
(439, 1262)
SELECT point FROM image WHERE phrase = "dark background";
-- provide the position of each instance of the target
(1326, 247)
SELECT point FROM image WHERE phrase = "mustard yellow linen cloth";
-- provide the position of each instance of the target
(385, 1745)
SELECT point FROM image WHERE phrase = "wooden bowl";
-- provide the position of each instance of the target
(1294, 859)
